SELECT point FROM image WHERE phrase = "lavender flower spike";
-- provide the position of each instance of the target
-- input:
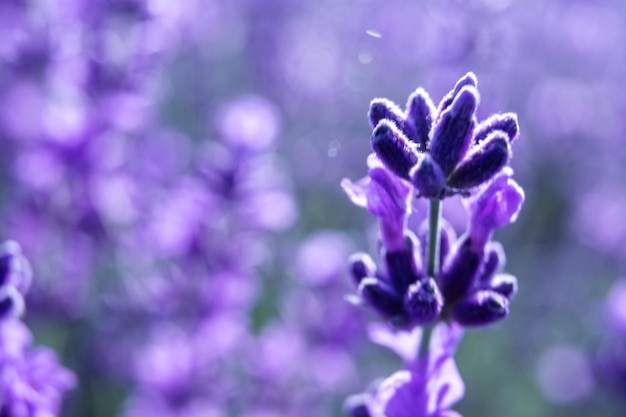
(32, 381)
(438, 277)
(15, 277)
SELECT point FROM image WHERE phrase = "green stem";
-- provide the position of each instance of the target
(433, 238)
(433, 263)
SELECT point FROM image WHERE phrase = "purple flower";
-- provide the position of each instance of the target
(250, 122)
(495, 206)
(428, 386)
(455, 157)
(443, 151)
(385, 196)
(32, 381)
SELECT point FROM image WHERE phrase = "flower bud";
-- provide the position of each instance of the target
(382, 297)
(459, 272)
(393, 149)
(481, 309)
(361, 266)
(428, 178)
(494, 261)
(404, 266)
(485, 161)
(504, 284)
(383, 109)
(453, 132)
(505, 122)
(423, 302)
(420, 114)
(468, 79)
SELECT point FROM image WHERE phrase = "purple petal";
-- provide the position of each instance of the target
(495, 206)
(404, 343)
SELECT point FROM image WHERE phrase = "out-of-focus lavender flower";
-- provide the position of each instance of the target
(435, 154)
(32, 381)
(610, 363)
(249, 122)
(428, 386)
(15, 279)
(565, 375)
(321, 258)
(78, 98)
(195, 252)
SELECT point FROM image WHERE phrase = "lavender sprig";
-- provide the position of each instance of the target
(434, 154)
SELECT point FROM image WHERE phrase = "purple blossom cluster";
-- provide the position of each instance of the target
(429, 275)
(32, 381)
(194, 274)
(610, 360)
(465, 283)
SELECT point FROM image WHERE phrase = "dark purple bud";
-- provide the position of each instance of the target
(383, 109)
(393, 149)
(420, 115)
(11, 302)
(423, 302)
(481, 309)
(453, 132)
(356, 406)
(494, 261)
(428, 178)
(504, 284)
(505, 122)
(404, 266)
(382, 297)
(468, 79)
(460, 271)
(361, 266)
(486, 160)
